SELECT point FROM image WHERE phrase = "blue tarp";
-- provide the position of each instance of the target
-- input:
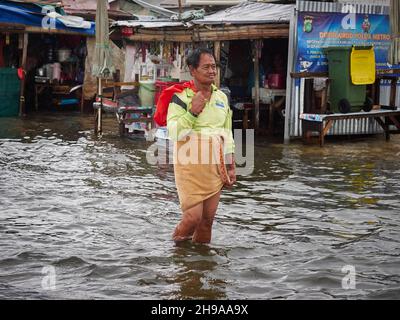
(31, 15)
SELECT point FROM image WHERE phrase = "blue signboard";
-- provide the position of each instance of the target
(317, 30)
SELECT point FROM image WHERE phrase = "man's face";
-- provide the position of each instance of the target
(206, 71)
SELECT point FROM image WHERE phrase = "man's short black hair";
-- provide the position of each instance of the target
(193, 59)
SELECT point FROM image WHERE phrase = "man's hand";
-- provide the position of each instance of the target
(232, 176)
(198, 103)
(230, 168)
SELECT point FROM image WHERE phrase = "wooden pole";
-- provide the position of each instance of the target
(217, 54)
(290, 92)
(256, 85)
(23, 66)
(393, 87)
(99, 120)
(180, 8)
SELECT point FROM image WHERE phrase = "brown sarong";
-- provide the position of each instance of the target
(199, 169)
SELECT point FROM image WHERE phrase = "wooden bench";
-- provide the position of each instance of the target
(322, 123)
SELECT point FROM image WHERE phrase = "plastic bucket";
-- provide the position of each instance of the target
(57, 71)
(276, 81)
(146, 94)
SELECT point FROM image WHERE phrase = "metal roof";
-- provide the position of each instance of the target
(50, 2)
(87, 9)
(147, 24)
(250, 13)
(154, 8)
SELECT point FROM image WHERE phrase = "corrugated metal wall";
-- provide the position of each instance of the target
(374, 2)
(398, 94)
(394, 56)
(384, 93)
(296, 97)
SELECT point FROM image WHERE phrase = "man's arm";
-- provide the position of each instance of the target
(179, 121)
(229, 148)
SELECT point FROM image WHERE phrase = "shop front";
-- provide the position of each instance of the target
(55, 72)
(42, 56)
(250, 43)
(325, 41)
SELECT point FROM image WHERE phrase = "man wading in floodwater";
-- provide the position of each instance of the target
(200, 120)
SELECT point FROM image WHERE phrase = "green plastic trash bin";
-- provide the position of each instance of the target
(9, 92)
(344, 95)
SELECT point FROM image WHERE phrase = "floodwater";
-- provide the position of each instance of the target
(89, 218)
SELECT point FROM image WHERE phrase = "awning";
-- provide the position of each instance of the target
(12, 13)
(147, 24)
(250, 13)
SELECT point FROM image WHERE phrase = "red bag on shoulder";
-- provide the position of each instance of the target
(160, 116)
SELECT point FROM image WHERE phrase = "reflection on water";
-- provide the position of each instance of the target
(97, 213)
(196, 263)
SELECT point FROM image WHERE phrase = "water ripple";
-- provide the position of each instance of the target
(95, 213)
